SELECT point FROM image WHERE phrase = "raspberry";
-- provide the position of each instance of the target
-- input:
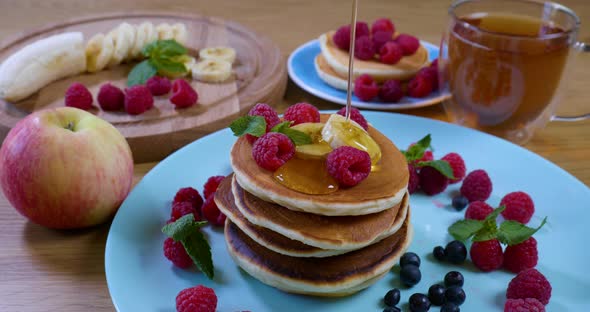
(408, 43)
(180, 209)
(391, 91)
(414, 181)
(270, 116)
(431, 73)
(382, 24)
(211, 185)
(521, 256)
(420, 86)
(477, 186)
(196, 299)
(189, 194)
(434, 63)
(478, 210)
(426, 157)
(380, 38)
(138, 99)
(356, 116)
(342, 38)
(301, 113)
(365, 88)
(110, 98)
(364, 48)
(78, 96)
(158, 85)
(183, 94)
(211, 212)
(529, 283)
(457, 164)
(523, 305)
(174, 251)
(432, 181)
(362, 30)
(348, 165)
(390, 53)
(272, 150)
(519, 207)
(487, 255)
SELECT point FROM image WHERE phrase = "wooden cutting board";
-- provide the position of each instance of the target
(259, 76)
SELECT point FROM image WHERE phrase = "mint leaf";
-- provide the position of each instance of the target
(417, 150)
(463, 229)
(170, 48)
(183, 227)
(494, 214)
(441, 166)
(490, 228)
(253, 125)
(197, 247)
(167, 67)
(425, 142)
(298, 137)
(141, 73)
(513, 232)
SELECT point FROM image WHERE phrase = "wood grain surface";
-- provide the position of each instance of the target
(46, 270)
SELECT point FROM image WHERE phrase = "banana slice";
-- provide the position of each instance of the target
(165, 31)
(340, 132)
(150, 32)
(218, 53)
(40, 63)
(180, 33)
(123, 38)
(211, 70)
(99, 50)
(140, 38)
(319, 148)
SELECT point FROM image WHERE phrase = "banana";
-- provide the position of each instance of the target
(151, 34)
(339, 132)
(319, 148)
(211, 70)
(218, 53)
(123, 37)
(140, 38)
(165, 31)
(180, 33)
(40, 63)
(99, 50)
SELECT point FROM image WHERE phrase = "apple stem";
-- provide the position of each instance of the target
(70, 126)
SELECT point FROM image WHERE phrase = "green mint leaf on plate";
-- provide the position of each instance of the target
(425, 142)
(253, 125)
(441, 166)
(464, 229)
(170, 48)
(494, 214)
(183, 227)
(298, 137)
(513, 232)
(197, 247)
(490, 227)
(168, 67)
(416, 151)
(141, 73)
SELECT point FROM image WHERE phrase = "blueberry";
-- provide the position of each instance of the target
(454, 278)
(436, 294)
(456, 252)
(450, 307)
(460, 202)
(392, 297)
(419, 303)
(409, 258)
(455, 294)
(392, 309)
(439, 253)
(410, 275)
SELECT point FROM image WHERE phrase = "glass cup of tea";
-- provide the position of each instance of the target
(505, 62)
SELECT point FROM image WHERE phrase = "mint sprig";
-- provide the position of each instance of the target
(416, 151)
(162, 56)
(186, 230)
(509, 232)
(441, 166)
(298, 137)
(256, 126)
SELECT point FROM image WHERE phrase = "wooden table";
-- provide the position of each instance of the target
(46, 270)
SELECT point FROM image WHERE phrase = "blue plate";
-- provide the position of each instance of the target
(141, 279)
(302, 71)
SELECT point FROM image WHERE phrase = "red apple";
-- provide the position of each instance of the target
(65, 168)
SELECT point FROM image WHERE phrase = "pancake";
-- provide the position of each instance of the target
(328, 75)
(331, 276)
(325, 232)
(405, 69)
(381, 190)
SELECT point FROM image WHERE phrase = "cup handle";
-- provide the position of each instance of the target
(582, 47)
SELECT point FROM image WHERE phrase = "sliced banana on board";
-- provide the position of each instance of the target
(211, 70)
(218, 53)
(140, 42)
(165, 31)
(180, 33)
(99, 51)
(123, 38)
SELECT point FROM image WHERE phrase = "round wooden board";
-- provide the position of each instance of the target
(260, 76)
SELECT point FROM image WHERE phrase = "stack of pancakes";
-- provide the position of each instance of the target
(332, 65)
(327, 245)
